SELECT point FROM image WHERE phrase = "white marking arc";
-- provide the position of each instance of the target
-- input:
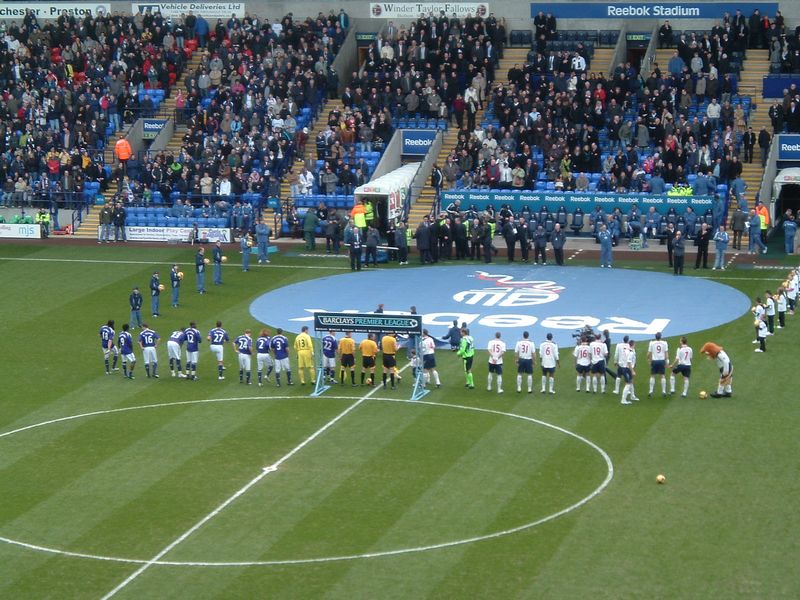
(400, 551)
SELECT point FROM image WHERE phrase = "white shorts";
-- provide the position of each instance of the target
(329, 362)
(149, 355)
(217, 350)
(263, 361)
(114, 350)
(129, 358)
(191, 357)
(282, 364)
(174, 350)
(244, 361)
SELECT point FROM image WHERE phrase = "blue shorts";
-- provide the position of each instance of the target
(685, 370)
(625, 374)
(582, 369)
(496, 369)
(599, 367)
(548, 370)
(428, 361)
(657, 367)
(525, 365)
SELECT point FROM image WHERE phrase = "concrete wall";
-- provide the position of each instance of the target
(164, 136)
(391, 158)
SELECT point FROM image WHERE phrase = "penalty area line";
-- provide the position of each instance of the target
(150, 262)
(240, 492)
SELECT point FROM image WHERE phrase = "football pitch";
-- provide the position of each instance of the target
(170, 488)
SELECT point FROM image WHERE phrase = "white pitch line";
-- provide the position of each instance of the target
(323, 559)
(145, 262)
(241, 491)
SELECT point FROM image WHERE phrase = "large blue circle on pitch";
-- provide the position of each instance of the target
(511, 298)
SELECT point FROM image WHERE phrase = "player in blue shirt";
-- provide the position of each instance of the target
(174, 344)
(263, 357)
(136, 301)
(148, 340)
(280, 350)
(126, 350)
(329, 347)
(107, 344)
(218, 338)
(193, 341)
(216, 255)
(175, 282)
(155, 294)
(244, 348)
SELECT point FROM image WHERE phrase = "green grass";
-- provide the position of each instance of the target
(387, 476)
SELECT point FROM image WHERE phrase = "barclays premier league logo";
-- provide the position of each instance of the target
(513, 298)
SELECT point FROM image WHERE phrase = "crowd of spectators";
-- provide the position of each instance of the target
(67, 85)
(559, 125)
(242, 105)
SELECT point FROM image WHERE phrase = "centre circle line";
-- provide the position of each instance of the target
(387, 553)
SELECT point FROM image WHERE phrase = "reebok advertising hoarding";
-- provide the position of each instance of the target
(415, 10)
(789, 147)
(208, 10)
(416, 142)
(650, 10)
(53, 10)
(152, 127)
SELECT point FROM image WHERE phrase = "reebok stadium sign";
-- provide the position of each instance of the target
(648, 10)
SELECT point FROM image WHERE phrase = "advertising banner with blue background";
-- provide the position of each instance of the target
(572, 200)
(152, 127)
(417, 141)
(650, 10)
(789, 147)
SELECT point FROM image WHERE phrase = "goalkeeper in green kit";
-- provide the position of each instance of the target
(466, 350)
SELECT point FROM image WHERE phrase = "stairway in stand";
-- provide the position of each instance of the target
(88, 228)
(290, 177)
(755, 68)
(423, 205)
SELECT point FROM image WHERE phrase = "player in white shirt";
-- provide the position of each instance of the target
(627, 370)
(617, 351)
(583, 361)
(658, 354)
(525, 351)
(761, 336)
(780, 304)
(770, 311)
(496, 348)
(717, 354)
(548, 358)
(682, 365)
(429, 359)
(599, 353)
(791, 290)
(760, 313)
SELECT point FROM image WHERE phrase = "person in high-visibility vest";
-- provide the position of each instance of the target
(763, 213)
(123, 152)
(359, 215)
(43, 220)
(369, 212)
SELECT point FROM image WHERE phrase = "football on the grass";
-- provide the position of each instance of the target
(703, 395)
(660, 478)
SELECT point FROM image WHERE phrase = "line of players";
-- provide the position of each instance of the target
(272, 355)
(591, 356)
(774, 305)
(271, 352)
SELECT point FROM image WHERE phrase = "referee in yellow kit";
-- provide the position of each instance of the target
(304, 347)
(389, 349)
